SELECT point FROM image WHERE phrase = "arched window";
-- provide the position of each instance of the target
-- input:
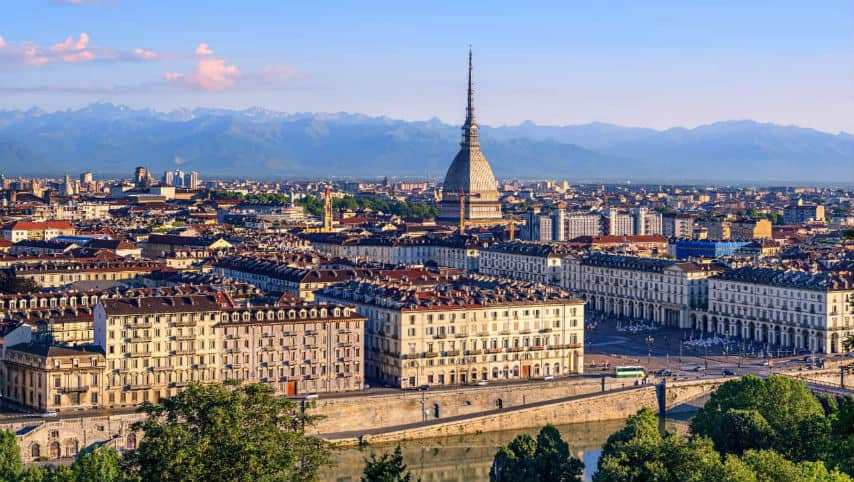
(35, 451)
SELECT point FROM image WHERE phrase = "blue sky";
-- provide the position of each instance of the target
(644, 63)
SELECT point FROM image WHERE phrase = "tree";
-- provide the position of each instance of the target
(218, 433)
(545, 459)
(387, 468)
(787, 405)
(10, 456)
(742, 430)
(101, 464)
(515, 462)
(32, 473)
(640, 452)
(552, 458)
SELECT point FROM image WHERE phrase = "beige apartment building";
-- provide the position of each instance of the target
(296, 349)
(156, 346)
(790, 310)
(46, 378)
(648, 289)
(466, 331)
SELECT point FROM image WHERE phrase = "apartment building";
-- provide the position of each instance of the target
(466, 331)
(53, 275)
(48, 378)
(297, 349)
(809, 312)
(650, 289)
(523, 261)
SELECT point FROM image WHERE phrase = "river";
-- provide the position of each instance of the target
(468, 458)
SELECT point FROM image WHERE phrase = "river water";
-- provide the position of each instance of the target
(468, 458)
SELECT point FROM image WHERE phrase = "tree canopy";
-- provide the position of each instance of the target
(387, 468)
(217, 433)
(546, 458)
(752, 413)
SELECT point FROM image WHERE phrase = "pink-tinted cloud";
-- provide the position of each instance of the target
(203, 49)
(70, 50)
(214, 75)
(70, 44)
(144, 54)
(2, 42)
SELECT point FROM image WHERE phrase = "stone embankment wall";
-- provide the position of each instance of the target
(427, 414)
(347, 414)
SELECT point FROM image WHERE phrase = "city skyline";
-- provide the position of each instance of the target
(660, 66)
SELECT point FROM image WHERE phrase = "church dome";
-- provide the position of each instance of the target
(470, 173)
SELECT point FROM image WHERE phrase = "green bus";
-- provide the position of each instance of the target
(629, 372)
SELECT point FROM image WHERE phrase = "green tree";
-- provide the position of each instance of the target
(515, 462)
(553, 460)
(545, 459)
(742, 430)
(10, 456)
(640, 452)
(59, 473)
(786, 404)
(218, 433)
(101, 464)
(770, 466)
(31, 473)
(388, 468)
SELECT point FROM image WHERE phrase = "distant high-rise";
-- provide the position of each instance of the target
(140, 176)
(169, 178)
(87, 178)
(194, 180)
(470, 180)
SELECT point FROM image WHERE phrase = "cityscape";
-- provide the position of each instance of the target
(219, 293)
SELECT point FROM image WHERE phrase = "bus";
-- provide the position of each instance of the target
(629, 372)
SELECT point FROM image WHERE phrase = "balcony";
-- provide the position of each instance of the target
(140, 324)
(515, 349)
(163, 369)
(139, 339)
(452, 353)
(143, 386)
(430, 354)
(184, 323)
(184, 337)
(184, 352)
(139, 354)
(493, 350)
(80, 389)
(474, 352)
(537, 348)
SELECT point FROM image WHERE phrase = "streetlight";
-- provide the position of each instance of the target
(650, 341)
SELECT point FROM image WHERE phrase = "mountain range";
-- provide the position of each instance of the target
(112, 139)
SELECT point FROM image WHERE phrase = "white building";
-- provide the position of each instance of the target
(784, 309)
(648, 289)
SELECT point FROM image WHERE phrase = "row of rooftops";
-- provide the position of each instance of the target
(278, 270)
(345, 239)
(529, 249)
(463, 293)
(823, 281)
(637, 263)
(115, 265)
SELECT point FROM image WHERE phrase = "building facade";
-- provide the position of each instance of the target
(466, 332)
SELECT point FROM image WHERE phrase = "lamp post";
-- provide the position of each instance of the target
(650, 341)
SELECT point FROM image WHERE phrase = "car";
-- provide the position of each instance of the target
(481, 383)
(728, 372)
(49, 414)
(424, 388)
(311, 396)
(766, 363)
(549, 377)
(699, 369)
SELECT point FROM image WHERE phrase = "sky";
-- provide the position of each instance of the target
(649, 63)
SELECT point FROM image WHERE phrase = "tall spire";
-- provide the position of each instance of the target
(470, 126)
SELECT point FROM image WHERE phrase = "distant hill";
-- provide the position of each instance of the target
(110, 139)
